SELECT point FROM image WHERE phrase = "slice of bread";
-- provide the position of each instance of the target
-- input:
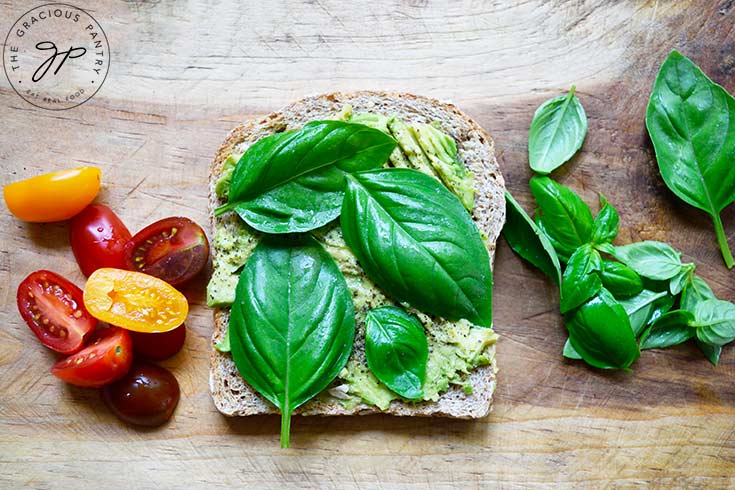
(231, 393)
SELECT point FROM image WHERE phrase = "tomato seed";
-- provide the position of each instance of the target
(62, 333)
(30, 295)
(77, 314)
(45, 321)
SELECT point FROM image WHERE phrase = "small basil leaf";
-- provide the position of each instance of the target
(711, 352)
(605, 227)
(695, 290)
(415, 240)
(557, 132)
(715, 321)
(691, 121)
(677, 283)
(562, 216)
(396, 350)
(528, 241)
(655, 260)
(292, 324)
(569, 351)
(641, 307)
(672, 328)
(620, 280)
(283, 157)
(580, 281)
(600, 332)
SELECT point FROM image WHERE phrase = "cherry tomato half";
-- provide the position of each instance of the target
(159, 346)
(98, 238)
(107, 358)
(53, 309)
(147, 395)
(134, 301)
(173, 249)
(55, 196)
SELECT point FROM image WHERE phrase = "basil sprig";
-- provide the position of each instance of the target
(292, 324)
(416, 241)
(294, 181)
(691, 121)
(557, 132)
(396, 350)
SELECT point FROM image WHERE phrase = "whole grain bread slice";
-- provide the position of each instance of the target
(232, 395)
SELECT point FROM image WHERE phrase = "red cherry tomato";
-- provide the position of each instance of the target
(173, 249)
(106, 359)
(147, 395)
(98, 239)
(54, 310)
(159, 346)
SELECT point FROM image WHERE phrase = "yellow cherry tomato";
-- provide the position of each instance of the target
(55, 196)
(134, 301)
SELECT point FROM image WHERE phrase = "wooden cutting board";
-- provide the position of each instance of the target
(184, 73)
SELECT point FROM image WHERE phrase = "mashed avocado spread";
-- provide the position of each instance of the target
(455, 348)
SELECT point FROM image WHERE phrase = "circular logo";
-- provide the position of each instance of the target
(56, 56)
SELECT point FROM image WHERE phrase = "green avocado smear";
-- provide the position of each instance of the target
(455, 348)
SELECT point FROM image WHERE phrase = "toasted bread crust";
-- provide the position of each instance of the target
(231, 394)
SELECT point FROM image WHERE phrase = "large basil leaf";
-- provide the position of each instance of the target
(528, 241)
(562, 216)
(715, 321)
(416, 241)
(599, 331)
(292, 323)
(619, 279)
(396, 350)
(655, 260)
(557, 131)
(581, 280)
(691, 121)
(605, 227)
(671, 328)
(646, 307)
(294, 181)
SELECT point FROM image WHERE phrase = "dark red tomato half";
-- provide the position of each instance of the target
(98, 239)
(54, 310)
(107, 358)
(147, 395)
(159, 346)
(173, 249)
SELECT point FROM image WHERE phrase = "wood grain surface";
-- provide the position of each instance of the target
(184, 73)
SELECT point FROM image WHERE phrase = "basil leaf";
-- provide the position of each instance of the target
(691, 121)
(605, 227)
(711, 352)
(715, 321)
(580, 281)
(695, 290)
(557, 132)
(677, 283)
(528, 241)
(645, 307)
(600, 332)
(294, 181)
(569, 351)
(416, 241)
(292, 323)
(562, 216)
(396, 350)
(620, 280)
(655, 260)
(672, 328)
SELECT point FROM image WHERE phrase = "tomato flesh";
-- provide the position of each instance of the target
(159, 346)
(107, 358)
(134, 301)
(98, 239)
(147, 395)
(173, 249)
(54, 196)
(54, 310)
